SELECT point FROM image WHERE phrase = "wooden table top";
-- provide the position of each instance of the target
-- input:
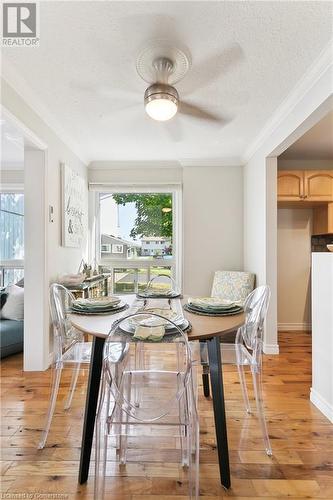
(203, 327)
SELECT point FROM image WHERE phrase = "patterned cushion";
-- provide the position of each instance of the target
(232, 285)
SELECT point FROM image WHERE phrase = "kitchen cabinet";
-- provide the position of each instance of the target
(305, 185)
(318, 185)
(290, 185)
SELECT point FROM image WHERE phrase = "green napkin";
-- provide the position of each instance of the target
(154, 333)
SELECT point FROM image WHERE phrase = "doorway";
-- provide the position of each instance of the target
(304, 196)
(23, 174)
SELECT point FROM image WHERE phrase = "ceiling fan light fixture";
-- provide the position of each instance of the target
(161, 102)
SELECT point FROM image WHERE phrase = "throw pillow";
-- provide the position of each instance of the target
(14, 305)
(3, 298)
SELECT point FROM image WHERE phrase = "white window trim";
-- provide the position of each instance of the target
(177, 224)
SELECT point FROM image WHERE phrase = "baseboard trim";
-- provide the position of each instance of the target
(271, 349)
(323, 406)
(293, 327)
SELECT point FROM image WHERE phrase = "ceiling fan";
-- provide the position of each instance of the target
(162, 66)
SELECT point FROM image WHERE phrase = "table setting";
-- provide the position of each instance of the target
(97, 306)
(154, 322)
(212, 306)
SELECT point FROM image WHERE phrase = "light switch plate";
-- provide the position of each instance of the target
(51, 213)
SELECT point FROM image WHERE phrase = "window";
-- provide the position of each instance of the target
(105, 248)
(146, 224)
(12, 237)
(117, 248)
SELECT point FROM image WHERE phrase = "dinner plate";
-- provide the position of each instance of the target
(97, 302)
(112, 310)
(190, 309)
(213, 309)
(213, 302)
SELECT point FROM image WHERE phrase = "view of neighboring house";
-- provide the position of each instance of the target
(113, 247)
(155, 245)
(117, 248)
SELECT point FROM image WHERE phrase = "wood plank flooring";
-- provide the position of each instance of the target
(302, 441)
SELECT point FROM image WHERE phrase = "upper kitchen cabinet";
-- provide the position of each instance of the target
(290, 185)
(318, 185)
(305, 186)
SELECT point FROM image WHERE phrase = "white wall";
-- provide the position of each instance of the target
(58, 259)
(212, 214)
(305, 106)
(294, 268)
(213, 221)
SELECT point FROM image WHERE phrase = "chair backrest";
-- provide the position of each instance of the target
(163, 282)
(64, 334)
(232, 285)
(255, 308)
(181, 357)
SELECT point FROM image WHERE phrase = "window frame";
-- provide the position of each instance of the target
(11, 263)
(176, 263)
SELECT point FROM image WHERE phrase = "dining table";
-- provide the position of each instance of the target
(210, 329)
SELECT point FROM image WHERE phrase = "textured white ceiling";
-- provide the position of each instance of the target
(316, 144)
(246, 58)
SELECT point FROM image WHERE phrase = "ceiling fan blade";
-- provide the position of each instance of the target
(201, 114)
(112, 99)
(206, 72)
(173, 129)
(107, 91)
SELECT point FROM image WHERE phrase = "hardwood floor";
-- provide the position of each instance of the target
(302, 441)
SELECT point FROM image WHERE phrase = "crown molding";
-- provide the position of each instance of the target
(212, 162)
(204, 162)
(20, 86)
(121, 164)
(304, 85)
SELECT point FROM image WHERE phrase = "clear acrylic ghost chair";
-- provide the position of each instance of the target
(167, 398)
(162, 283)
(247, 351)
(69, 348)
(231, 285)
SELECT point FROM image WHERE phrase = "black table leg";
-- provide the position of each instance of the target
(91, 407)
(216, 381)
(205, 368)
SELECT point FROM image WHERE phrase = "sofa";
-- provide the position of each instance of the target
(11, 333)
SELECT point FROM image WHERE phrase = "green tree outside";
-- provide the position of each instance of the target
(154, 213)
